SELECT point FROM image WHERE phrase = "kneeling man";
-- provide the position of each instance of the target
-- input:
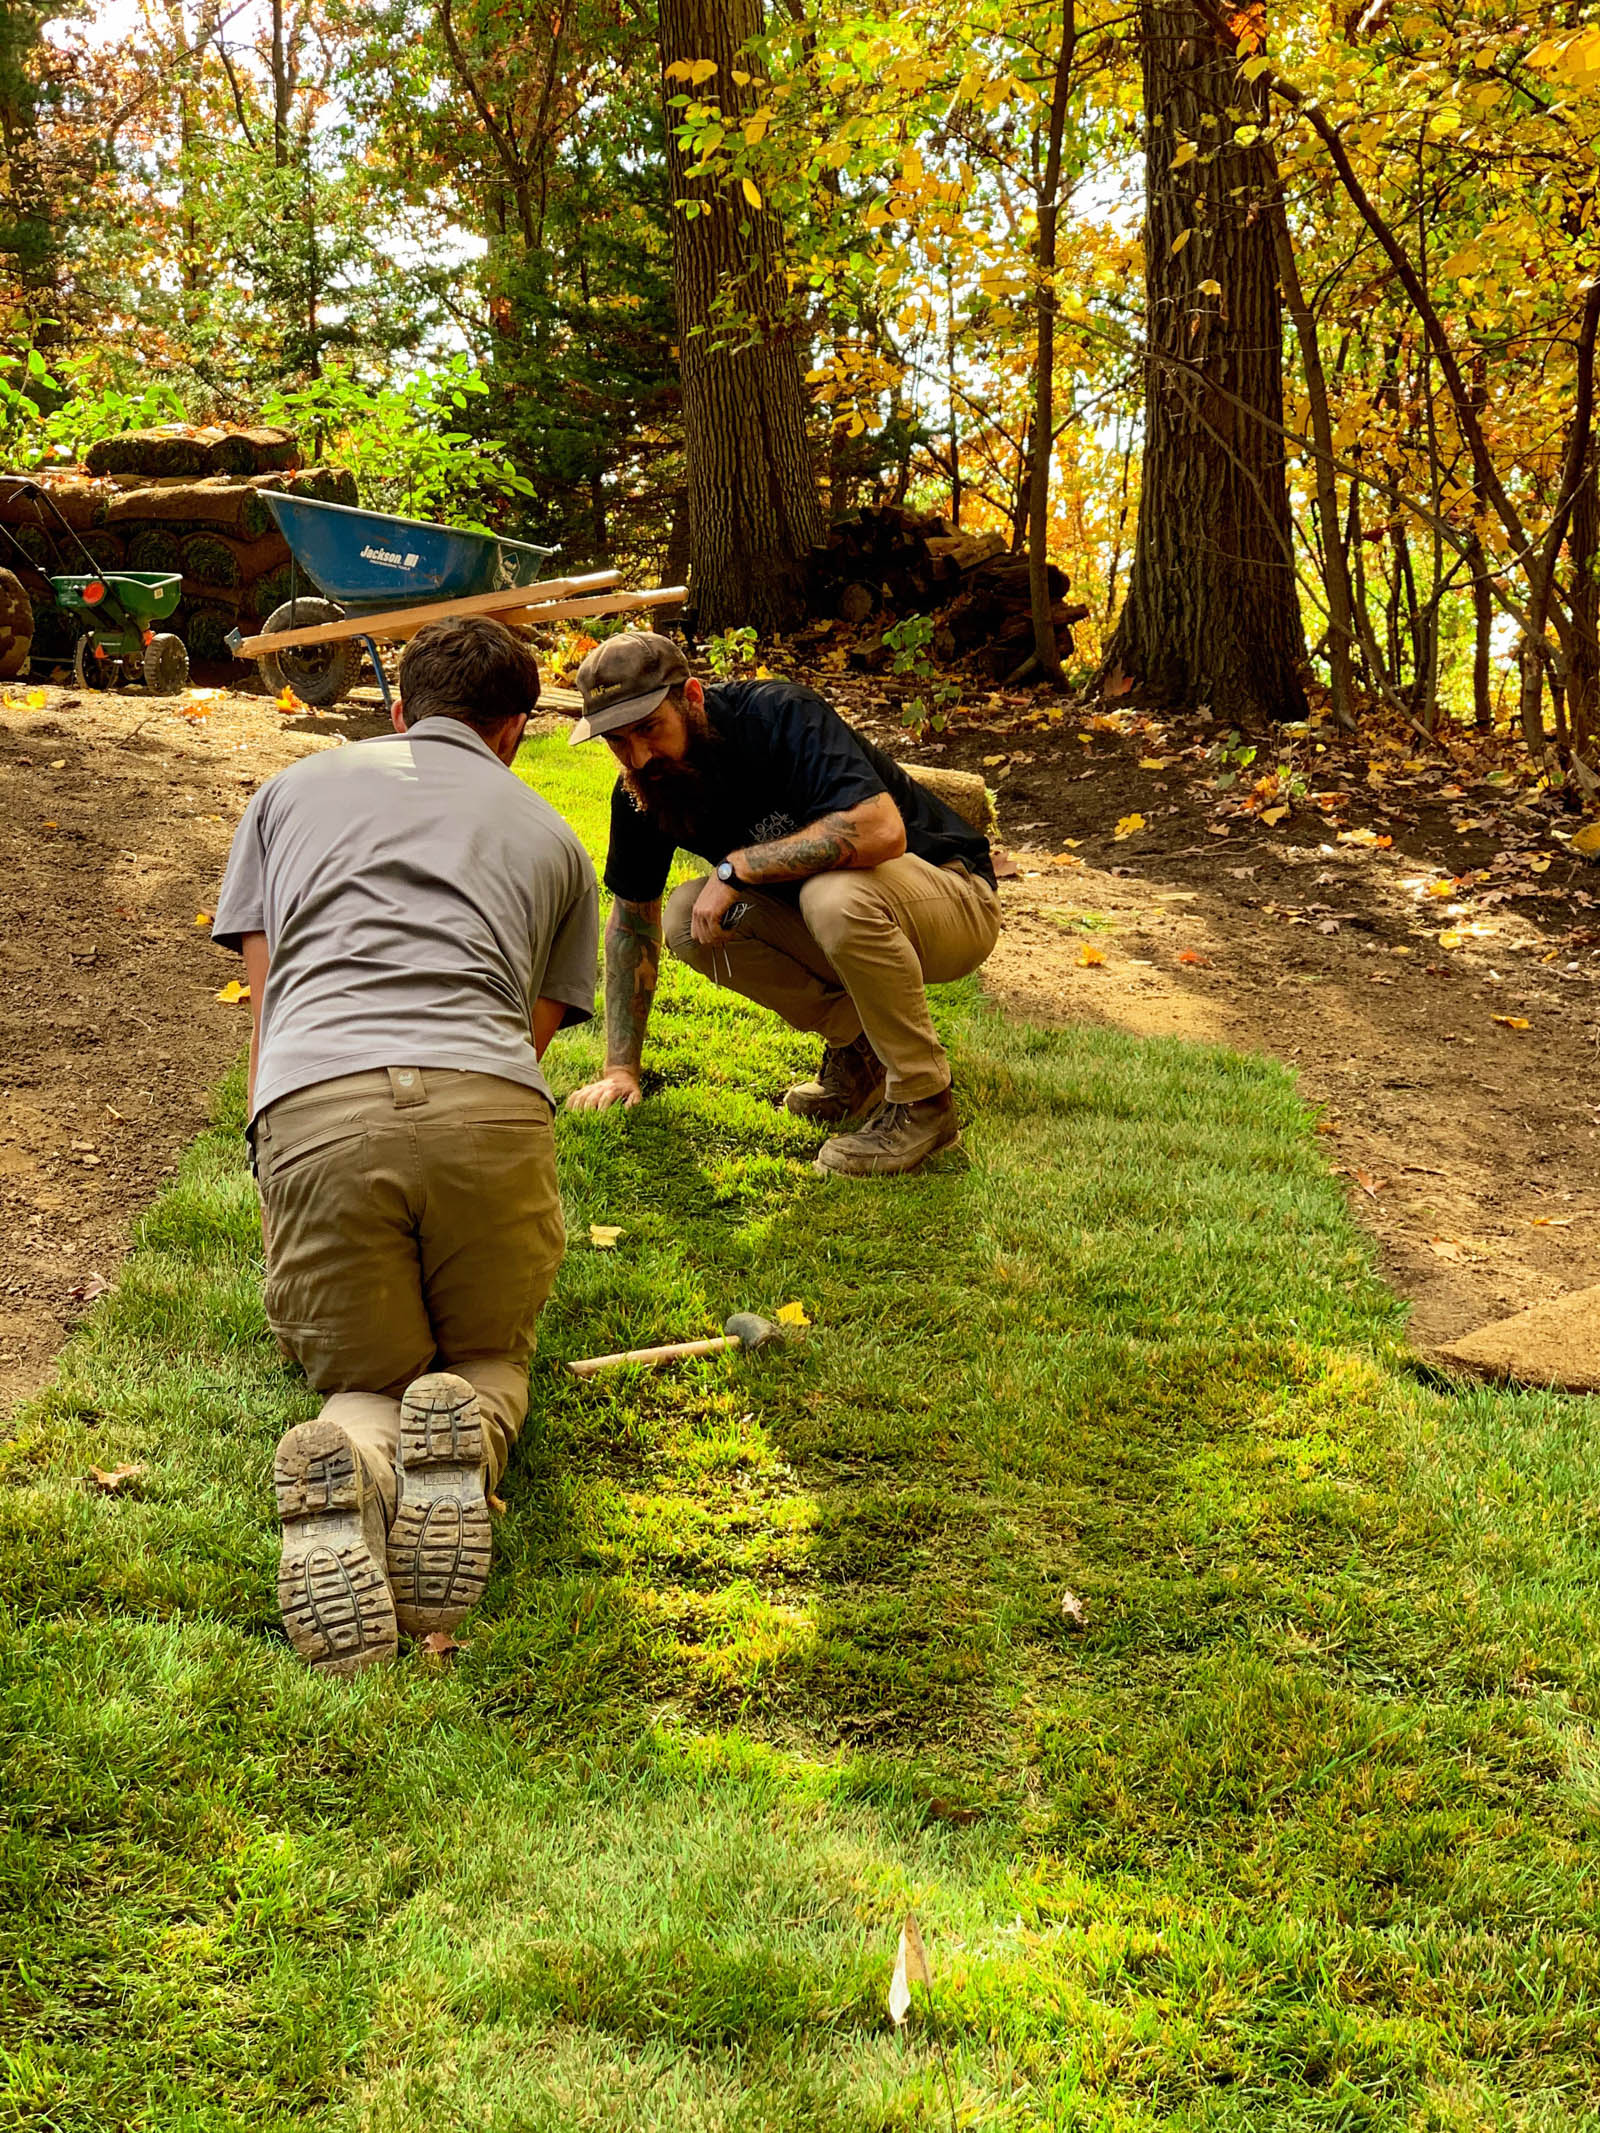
(841, 889)
(416, 925)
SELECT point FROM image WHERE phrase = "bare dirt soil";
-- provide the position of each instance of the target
(1151, 893)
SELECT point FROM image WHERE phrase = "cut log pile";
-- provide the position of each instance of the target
(885, 563)
(178, 499)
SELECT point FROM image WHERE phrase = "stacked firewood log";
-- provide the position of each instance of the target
(182, 500)
(885, 563)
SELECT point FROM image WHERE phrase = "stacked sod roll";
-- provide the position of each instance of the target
(182, 500)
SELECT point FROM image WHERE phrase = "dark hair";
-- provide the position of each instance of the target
(471, 668)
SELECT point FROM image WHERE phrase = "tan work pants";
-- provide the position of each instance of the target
(855, 955)
(413, 1224)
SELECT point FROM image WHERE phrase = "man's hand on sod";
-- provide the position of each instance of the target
(617, 1085)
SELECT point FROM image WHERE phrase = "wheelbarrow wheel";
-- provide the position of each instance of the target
(317, 673)
(166, 665)
(92, 669)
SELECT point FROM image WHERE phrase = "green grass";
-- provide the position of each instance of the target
(1302, 1831)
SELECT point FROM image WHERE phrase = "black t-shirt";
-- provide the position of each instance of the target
(789, 759)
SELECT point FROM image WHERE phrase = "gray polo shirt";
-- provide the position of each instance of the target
(417, 898)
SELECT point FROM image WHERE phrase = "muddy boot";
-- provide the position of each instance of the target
(851, 1082)
(439, 1544)
(896, 1137)
(333, 1588)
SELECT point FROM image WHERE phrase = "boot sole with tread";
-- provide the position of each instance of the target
(333, 1588)
(440, 1543)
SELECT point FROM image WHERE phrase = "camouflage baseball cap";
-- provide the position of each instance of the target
(623, 680)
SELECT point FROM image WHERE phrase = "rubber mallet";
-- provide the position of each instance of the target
(743, 1330)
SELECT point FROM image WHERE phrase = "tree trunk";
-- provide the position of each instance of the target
(1212, 613)
(1583, 681)
(1335, 571)
(1045, 654)
(753, 507)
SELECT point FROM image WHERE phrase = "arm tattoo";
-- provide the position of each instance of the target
(633, 957)
(817, 849)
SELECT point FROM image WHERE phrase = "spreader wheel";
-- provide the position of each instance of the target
(166, 665)
(93, 669)
(317, 673)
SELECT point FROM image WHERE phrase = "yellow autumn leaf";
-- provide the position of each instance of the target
(604, 1235)
(202, 918)
(755, 128)
(1210, 287)
(1272, 816)
(750, 191)
(233, 992)
(1451, 939)
(1440, 888)
(1512, 1021)
(35, 699)
(1186, 153)
(1180, 241)
(1090, 957)
(1157, 762)
(792, 1314)
(1129, 826)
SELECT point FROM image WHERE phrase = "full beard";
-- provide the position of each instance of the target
(676, 797)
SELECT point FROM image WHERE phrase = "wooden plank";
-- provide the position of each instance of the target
(396, 622)
(617, 603)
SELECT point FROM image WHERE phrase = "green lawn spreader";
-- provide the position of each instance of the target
(114, 612)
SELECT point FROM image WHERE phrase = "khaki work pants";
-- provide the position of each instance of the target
(412, 1224)
(856, 955)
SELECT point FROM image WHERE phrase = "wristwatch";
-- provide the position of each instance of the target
(727, 876)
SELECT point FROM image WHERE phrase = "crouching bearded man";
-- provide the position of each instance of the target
(840, 890)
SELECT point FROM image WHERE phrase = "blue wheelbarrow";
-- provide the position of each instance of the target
(383, 579)
(365, 568)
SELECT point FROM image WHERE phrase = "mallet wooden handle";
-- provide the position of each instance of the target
(589, 1364)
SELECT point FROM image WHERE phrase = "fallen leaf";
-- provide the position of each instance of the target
(50, 825)
(1273, 815)
(110, 1484)
(1447, 1248)
(202, 918)
(60, 763)
(34, 700)
(1512, 1021)
(1540, 863)
(604, 1235)
(1005, 867)
(1451, 939)
(1217, 829)
(952, 1811)
(1193, 957)
(990, 761)
(233, 992)
(1128, 826)
(1157, 762)
(1075, 1614)
(1090, 957)
(1369, 1184)
(1117, 684)
(1550, 1221)
(910, 1963)
(1586, 842)
(288, 701)
(93, 1284)
(1440, 888)
(1367, 839)
(792, 1314)
(440, 1645)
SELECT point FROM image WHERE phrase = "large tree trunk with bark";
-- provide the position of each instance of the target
(1212, 614)
(753, 506)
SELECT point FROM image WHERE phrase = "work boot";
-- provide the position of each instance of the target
(851, 1081)
(896, 1137)
(439, 1544)
(333, 1588)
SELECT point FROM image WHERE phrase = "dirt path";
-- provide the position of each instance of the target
(1470, 1145)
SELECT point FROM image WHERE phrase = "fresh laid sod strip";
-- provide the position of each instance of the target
(1299, 1830)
